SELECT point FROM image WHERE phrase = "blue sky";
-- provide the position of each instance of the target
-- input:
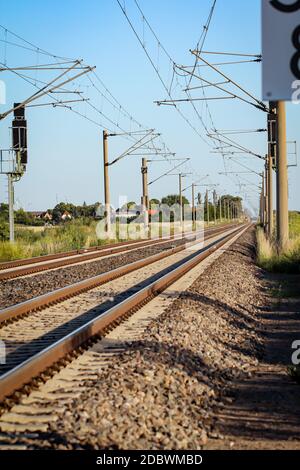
(65, 150)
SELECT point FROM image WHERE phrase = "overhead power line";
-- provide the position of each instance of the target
(259, 104)
(170, 171)
(62, 64)
(166, 88)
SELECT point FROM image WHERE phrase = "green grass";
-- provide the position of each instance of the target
(289, 260)
(294, 218)
(74, 235)
(70, 236)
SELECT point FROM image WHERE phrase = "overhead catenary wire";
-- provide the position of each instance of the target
(152, 31)
(123, 9)
(34, 48)
(240, 131)
(60, 64)
(239, 62)
(203, 36)
(236, 145)
(111, 100)
(200, 46)
(258, 56)
(169, 172)
(243, 166)
(201, 41)
(259, 105)
(43, 91)
(225, 90)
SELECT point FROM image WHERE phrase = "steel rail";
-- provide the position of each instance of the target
(64, 293)
(82, 251)
(22, 374)
(64, 259)
(38, 259)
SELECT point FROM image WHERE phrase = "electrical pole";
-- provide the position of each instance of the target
(220, 203)
(270, 194)
(267, 196)
(263, 200)
(282, 179)
(11, 208)
(207, 207)
(106, 184)
(215, 208)
(180, 199)
(261, 208)
(193, 205)
(145, 197)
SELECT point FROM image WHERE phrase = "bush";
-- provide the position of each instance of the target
(27, 236)
(73, 236)
(4, 231)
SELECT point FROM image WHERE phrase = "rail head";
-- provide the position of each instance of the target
(22, 374)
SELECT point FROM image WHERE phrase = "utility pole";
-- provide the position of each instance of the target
(215, 208)
(106, 184)
(224, 208)
(11, 208)
(266, 196)
(270, 194)
(261, 207)
(282, 179)
(207, 207)
(220, 203)
(263, 200)
(180, 199)
(145, 197)
(193, 205)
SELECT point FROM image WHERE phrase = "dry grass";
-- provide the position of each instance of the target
(265, 249)
(30, 243)
(269, 258)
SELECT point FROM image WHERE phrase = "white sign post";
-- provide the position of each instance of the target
(281, 49)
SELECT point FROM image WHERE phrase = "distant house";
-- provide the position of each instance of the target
(66, 216)
(36, 214)
(41, 215)
(47, 216)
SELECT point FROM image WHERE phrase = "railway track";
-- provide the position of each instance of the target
(76, 288)
(24, 267)
(30, 355)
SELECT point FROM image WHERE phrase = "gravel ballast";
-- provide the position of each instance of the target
(18, 290)
(162, 393)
